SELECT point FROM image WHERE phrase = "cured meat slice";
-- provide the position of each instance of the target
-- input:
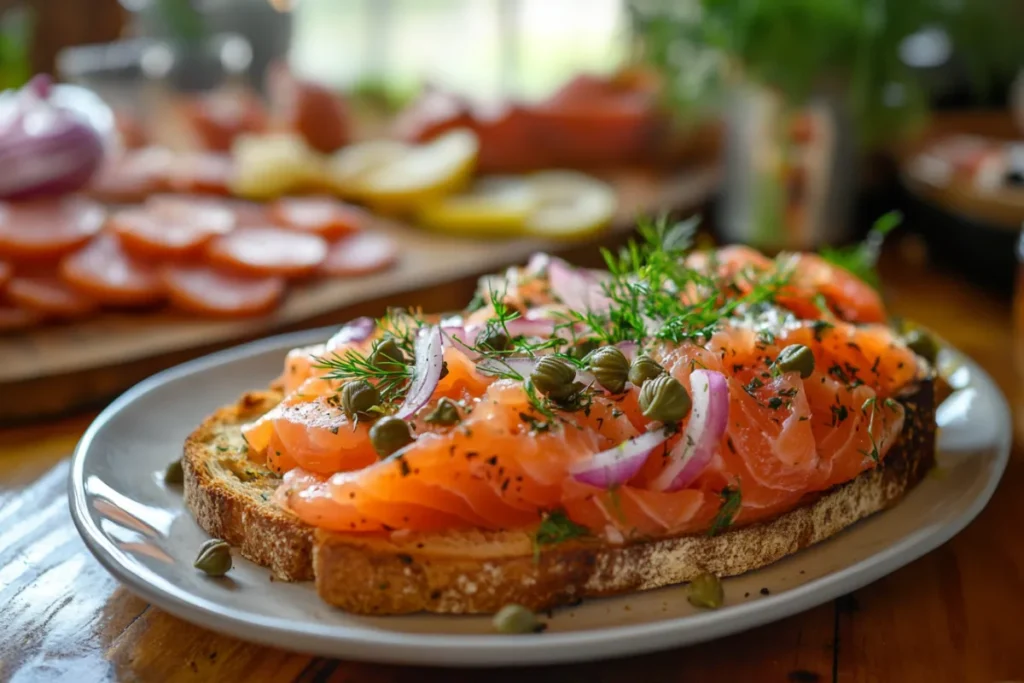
(324, 216)
(14, 317)
(208, 291)
(133, 176)
(366, 252)
(48, 295)
(201, 172)
(47, 228)
(105, 272)
(268, 251)
(170, 226)
(6, 272)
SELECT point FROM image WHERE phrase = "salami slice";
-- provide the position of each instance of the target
(323, 216)
(133, 176)
(14, 318)
(105, 272)
(171, 226)
(204, 173)
(208, 291)
(5, 274)
(47, 228)
(268, 251)
(365, 252)
(48, 295)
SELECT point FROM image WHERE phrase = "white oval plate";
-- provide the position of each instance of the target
(139, 530)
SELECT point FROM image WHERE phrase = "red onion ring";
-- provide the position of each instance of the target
(618, 465)
(577, 288)
(357, 330)
(427, 371)
(709, 418)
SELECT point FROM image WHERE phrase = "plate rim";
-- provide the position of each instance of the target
(368, 644)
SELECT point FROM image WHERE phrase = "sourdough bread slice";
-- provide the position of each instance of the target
(480, 571)
(230, 496)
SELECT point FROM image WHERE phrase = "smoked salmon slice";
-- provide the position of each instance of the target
(496, 441)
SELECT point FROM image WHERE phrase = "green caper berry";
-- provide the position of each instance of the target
(214, 558)
(923, 344)
(445, 413)
(664, 399)
(358, 397)
(644, 368)
(796, 358)
(706, 592)
(389, 434)
(516, 619)
(494, 338)
(610, 367)
(554, 377)
(387, 356)
(174, 474)
(584, 348)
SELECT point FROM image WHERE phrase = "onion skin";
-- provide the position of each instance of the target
(709, 418)
(46, 148)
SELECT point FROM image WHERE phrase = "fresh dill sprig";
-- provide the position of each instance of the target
(655, 294)
(861, 259)
(352, 365)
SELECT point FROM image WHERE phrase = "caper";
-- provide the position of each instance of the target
(796, 358)
(706, 592)
(494, 339)
(923, 344)
(584, 348)
(358, 397)
(214, 558)
(610, 367)
(554, 377)
(174, 474)
(664, 399)
(387, 356)
(644, 368)
(444, 413)
(514, 618)
(389, 434)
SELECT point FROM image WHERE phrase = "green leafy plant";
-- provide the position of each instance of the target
(803, 47)
(16, 27)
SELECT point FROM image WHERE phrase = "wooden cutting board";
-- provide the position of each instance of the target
(63, 367)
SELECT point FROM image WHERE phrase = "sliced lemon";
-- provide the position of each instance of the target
(570, 205)
(491, 207)
(425, 173)
(268, 166)
(349, 167)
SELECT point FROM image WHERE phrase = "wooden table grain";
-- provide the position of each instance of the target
(955, 615)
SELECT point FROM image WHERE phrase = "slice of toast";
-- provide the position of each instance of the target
(480, 571)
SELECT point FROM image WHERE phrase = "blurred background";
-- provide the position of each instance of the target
(311, 155)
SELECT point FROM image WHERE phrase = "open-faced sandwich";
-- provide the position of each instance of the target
(574, 433)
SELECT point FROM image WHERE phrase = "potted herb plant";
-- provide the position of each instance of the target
(805, 85)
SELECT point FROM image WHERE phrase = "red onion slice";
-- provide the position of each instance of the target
(522, 327)
(618, 465)
(709, 418)
(577, 288)
(427, 372)
(357, 330)
(494, 366)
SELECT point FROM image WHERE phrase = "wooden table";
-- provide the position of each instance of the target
(954, 615)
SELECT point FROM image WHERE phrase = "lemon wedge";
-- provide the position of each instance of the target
(569, 205)
(491, 207)
(268, 166)
(348, 168)
(423, 174)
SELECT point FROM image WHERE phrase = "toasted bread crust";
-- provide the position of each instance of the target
(472, 572)
(230, 497)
